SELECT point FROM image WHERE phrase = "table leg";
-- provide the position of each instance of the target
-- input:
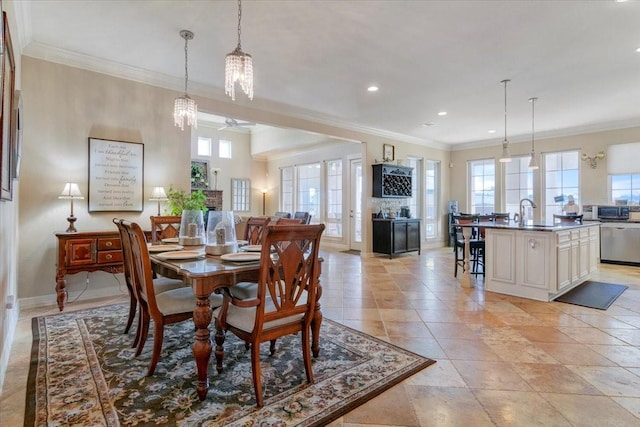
(61, 290)
(465, 282)
(202, 315)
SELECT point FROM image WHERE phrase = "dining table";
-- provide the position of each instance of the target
(208, 274)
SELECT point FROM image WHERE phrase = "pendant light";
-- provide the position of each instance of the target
(238, 67)
(184, 107)
(505, 157)
(533, 163)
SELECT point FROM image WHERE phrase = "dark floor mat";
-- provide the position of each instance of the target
(593, 294)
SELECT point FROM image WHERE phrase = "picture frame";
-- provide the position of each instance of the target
(199, 175)
(116, 176)
(16, 131)
(388, 153)
(7, 95)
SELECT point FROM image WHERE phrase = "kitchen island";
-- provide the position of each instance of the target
(537, 261)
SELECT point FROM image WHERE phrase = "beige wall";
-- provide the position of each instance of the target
(593, 182)
(63, 106)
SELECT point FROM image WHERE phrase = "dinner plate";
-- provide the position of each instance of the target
(180, 255)
(242, 242)
(164, 248)
(241, 257)
(171, 240)
(252, 248)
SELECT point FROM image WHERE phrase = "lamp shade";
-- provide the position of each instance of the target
(158, 194)
(71, 191)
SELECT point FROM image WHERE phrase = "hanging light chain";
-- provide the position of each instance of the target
(186, 69)
(239, 21)
(505, 109)
(533, 115)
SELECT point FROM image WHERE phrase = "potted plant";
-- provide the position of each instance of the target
(179, 200)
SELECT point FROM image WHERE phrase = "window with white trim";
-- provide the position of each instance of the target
(625, 187)
(224, 149)
(286, 189)
(333, 219)
(240, 195)
(308, 194)
(562, 179)
(204, 146)
(482, 175)
(414, 201)
(431, 218)
(518, 183)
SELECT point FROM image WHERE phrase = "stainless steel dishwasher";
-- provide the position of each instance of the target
(620, 242)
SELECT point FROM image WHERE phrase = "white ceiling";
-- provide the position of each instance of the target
(316, 59)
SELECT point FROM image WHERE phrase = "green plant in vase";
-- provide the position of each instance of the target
(179, 200)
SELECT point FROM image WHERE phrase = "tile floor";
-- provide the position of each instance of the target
(502, 361)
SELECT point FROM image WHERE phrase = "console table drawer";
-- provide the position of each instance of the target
(107, 257)
(109, 244)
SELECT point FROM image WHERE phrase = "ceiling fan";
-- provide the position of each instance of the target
(233, 123)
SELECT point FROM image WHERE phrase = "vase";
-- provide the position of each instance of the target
(192, 231)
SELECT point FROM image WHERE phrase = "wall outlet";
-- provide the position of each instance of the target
(10, 301)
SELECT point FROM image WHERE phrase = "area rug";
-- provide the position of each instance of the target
(592, 294)
(84, 373)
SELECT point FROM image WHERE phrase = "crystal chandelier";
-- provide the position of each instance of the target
(533, 163)
(505, 157)
(238, 67)
(184, 107)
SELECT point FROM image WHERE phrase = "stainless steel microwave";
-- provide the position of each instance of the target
(613, 212)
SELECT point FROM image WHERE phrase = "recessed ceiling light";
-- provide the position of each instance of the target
(428, 124)
(492, 131)
(442, 113)
(372, 88)
(638, 50)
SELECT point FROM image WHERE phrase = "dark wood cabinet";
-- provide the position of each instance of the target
(391, 181)
(86, 251)
(394, 236)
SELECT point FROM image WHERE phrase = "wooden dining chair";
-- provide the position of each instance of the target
(160, 284)
(303, 215)
(164, 227)
(254, 231)
(290, 221)
(285, 302)
(164, 308)
(283, 214)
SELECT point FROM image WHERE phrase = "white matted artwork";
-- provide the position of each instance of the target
(116, 171)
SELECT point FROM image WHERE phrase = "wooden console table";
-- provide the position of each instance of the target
(86, 251)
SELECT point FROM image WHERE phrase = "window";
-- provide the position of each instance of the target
(204, 146)
(286, 189)
(562, 178)
(240, 195)
(518, 182)
(224, 149)
(430, 217)
(333, 220)
(625, 187)
(308, 199)
(483, 186)
(414, 202)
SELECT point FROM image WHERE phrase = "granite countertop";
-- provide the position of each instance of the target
(529, 225)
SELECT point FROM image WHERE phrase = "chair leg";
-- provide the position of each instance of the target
(144, 331)
(272, 347)
(255, 370)
(158, 336)
(133, 302)
(306, 355)
(138, 337)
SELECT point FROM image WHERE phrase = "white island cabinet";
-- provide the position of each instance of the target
(541, 261)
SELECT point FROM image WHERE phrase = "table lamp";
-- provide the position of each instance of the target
(158, 194)
(71, 192)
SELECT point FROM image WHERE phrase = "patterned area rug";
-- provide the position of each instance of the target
(83, 373)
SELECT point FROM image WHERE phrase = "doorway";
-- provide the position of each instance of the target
(355, 204)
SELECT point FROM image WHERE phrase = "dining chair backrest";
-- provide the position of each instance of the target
(303, 215)
(164, 227)
(128, 279)
(567, 218)
(255, 229)
(283, 214)
(289, 221)
(465, 219)
(141, 272)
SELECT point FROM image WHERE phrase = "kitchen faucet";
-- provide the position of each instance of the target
(521, 215)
